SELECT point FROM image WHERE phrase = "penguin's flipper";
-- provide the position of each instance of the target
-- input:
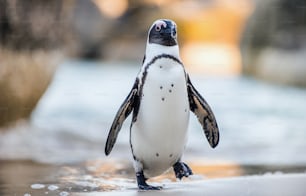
(201, 109)
(125, 109)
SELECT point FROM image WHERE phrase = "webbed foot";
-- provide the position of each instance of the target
(148, 187)
(142, 185)
(181, 169)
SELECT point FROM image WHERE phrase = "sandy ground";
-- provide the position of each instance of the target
(267, 185)
(116, 177)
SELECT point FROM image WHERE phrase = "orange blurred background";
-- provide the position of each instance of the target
(209, 33)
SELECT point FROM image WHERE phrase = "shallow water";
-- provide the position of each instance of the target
(27, 177)
(259, 123)
(262, 129)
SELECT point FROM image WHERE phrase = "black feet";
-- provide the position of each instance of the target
(142, 185)
(181, 169)
(148, 187)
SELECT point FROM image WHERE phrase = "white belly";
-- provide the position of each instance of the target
(159, 135)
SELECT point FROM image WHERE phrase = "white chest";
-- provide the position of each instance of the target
(164, 95)
(158, 136)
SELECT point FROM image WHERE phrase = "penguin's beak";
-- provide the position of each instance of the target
(169, 32)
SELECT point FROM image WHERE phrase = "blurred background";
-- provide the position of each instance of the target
(66, 66)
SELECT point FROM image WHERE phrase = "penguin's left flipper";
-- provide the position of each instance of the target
(201, 109)
(125, 109)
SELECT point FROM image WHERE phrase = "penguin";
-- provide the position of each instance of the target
(161, 99)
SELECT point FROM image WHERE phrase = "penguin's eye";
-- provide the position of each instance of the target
(174, 33)
(157, 28)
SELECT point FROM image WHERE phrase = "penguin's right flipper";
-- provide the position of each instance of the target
(125, 109)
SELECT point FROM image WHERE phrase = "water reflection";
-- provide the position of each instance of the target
(27, 177)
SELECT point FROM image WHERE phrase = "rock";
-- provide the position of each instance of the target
(31, 38)
(273, 44)
(24, 77)
(31, 25)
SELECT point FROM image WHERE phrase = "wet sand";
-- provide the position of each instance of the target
(286, 184)
(117, 176)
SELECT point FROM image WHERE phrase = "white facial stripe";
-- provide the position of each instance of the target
(174, 24)
(160, 23)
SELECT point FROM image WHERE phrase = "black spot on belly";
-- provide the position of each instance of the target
(163, 98)
(170, 155)
(170, 91)
(157, 154)
(160, 66)
(161, 87)
(172, 85)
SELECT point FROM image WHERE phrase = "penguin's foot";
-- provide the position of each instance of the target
(142, 185)
(148, 187)
(181, 169)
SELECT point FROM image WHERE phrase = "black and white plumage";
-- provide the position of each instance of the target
(160, 100)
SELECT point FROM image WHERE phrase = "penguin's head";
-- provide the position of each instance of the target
(163, 32)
